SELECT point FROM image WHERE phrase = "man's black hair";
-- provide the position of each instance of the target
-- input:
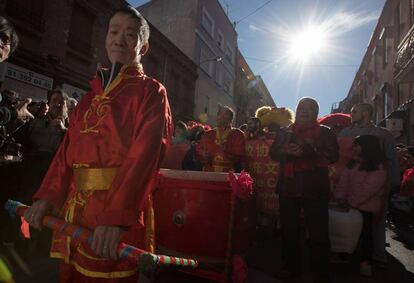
(144, 30)
(59, 91)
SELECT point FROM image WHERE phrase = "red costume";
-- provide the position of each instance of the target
(265, 173)
(103, 171)
(219, 152)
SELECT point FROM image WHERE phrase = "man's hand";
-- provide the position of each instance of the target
(22, 112)
(294, 149)
(35, 213)
(105, 241)
(58, 123)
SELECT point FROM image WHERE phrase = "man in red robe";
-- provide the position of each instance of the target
(102, 174)
(222, 149)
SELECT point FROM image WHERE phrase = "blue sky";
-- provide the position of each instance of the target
(264, 39)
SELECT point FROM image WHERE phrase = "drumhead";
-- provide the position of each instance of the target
(194, 175)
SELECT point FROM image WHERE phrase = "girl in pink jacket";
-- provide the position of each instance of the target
(362, 186)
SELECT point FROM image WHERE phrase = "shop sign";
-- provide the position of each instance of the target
(73, 91)
(29, 77)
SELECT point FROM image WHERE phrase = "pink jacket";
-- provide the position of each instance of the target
(363, 190)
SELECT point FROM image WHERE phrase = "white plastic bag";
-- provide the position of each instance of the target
(344, 229)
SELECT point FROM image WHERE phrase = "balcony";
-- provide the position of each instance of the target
(404, 64)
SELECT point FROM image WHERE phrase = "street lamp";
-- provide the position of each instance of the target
(217, 59)
(203, 116)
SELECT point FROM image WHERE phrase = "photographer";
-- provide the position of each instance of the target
(12, 113)
(8, 44)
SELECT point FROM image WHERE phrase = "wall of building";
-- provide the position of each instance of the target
(175, 70)
(63, 41)
(216, 82)
(210, 44)
(176, 19)
(52, 46)
(379, 80)
(250, 92)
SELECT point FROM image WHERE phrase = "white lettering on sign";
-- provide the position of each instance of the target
(24, 75)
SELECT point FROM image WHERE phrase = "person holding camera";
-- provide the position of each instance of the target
(41, 138)
(8, 44)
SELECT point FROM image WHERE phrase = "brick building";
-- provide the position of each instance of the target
(385, 77)
(202, 30)
(175, 70)
(62, 42)
(250, 92)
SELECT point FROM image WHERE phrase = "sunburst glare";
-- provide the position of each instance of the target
(305, 44)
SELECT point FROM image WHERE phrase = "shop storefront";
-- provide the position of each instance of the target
(25, 82)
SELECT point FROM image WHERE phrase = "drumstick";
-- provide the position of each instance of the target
(146, 261)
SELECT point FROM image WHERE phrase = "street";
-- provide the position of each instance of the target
(264, 262)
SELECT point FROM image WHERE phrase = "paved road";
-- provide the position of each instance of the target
(264, 261)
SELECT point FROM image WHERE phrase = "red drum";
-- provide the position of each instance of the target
(196, 215)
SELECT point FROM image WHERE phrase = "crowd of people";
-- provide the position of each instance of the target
(300, 166)
(94, 164)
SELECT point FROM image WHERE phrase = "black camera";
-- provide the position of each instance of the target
(9, 98)
(10, 150)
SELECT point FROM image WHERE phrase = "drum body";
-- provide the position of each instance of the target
(197, 216)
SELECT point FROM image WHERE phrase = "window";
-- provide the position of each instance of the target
(397, 23)
(376, 116)
(28, 11)
(207, 106)
(229, 54)
(369, 77)
(411, 12)
(173, 86)
(220, 40)
(383, 39)
(397, 95)
(219, 78)
(81, 26)
(206, 62)
(386, 99)
(208, 23)
(228, 85)
(374, 58)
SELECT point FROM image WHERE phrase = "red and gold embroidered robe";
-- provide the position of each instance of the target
(123, 130)
(220, 152)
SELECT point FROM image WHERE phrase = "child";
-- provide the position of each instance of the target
(361, 186)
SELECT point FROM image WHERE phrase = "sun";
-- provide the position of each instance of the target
(307, 43)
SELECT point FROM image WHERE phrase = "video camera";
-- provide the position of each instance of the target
(9, 99)
(10, 150)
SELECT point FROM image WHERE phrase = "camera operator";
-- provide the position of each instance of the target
(13, 112)
(8, 44)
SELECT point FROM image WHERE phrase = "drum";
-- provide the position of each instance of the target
(196, 215)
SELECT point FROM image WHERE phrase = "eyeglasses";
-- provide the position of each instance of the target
(5, 39)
